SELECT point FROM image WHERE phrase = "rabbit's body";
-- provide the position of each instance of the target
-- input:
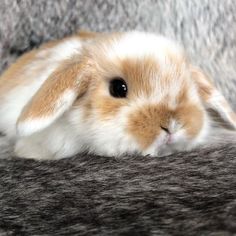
(108, 94)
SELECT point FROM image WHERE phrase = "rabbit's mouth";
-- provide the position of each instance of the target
(167, 144)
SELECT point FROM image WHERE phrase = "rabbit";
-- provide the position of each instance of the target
(108, 94)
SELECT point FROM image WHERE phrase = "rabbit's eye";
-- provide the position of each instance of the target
(118, 88)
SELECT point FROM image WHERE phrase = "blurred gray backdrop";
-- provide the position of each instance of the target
(206, 28)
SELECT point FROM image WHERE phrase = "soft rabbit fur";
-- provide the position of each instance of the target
(55, 100)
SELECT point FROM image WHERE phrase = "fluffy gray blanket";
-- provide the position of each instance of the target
(184, 194)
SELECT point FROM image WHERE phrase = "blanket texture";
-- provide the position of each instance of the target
(189, 194)
(183, 194)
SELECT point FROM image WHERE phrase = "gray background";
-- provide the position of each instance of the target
(206, 28)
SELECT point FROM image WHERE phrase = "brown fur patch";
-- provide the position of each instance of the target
(182, 97)
(139, 73)
(44, 101)
(144, 124)
(204, 84)
(191, 117)
(107, 107)
(83, 34)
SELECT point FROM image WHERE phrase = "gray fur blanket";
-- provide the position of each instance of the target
(184, 194)
(189, 194)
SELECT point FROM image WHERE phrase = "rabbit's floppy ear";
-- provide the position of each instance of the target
(54, 97)
(213, 99)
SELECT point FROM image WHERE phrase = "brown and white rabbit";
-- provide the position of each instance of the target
(109, 94)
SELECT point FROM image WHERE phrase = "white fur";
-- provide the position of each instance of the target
(57, 141)
(139, 44)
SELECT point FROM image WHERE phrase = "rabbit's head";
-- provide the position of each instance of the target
(129, 92)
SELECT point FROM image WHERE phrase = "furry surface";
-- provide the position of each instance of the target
(189, 194)
(185, 194)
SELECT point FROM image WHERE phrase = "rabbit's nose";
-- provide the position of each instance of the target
(169, 135)
(165, 129)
